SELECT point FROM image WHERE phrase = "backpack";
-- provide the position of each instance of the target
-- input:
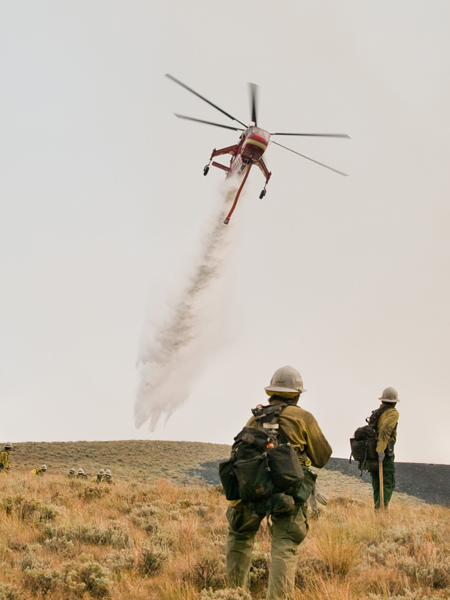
(262, 463)
(363, 444)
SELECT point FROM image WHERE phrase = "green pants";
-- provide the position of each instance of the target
(288, 531)
(388, 481)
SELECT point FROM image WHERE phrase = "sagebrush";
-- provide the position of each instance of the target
(138, 540)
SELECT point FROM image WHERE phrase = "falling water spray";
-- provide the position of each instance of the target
(175, 349)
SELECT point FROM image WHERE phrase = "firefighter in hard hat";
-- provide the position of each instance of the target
(387, 436)
(107, 478)
(4, 458)
(288, 530)
(39, 470)
(99, 477)
(81, 474)
(71, 473)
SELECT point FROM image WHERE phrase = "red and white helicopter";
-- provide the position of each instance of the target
(251, 146)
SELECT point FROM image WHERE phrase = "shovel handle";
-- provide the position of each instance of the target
(380, 468)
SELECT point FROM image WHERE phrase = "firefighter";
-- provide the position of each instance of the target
(71, 473)
(107, 477)
(40, 470)
(81, 474)
(4, 458)
(387, 436)
(99, 477)
(288, 530)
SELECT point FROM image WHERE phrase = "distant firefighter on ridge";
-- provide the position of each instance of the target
(4, 458)
(39, 470)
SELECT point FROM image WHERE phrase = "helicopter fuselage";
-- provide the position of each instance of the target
(248, 151)
(254, 143)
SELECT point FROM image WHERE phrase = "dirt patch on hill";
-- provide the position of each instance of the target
(429, 483)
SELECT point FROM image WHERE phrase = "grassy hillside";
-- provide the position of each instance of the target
(191, 462)
(136, 540)
(130, 460)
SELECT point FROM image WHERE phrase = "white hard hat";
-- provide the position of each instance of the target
(43, 467)
(80, 471)
(108, 471)
(389, 395)
(101, 472)
(72, 470)
(286, 382)
(8, 445)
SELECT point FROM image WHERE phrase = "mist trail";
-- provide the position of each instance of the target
(176, 348)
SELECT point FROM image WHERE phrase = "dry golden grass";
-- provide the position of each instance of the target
(68, 539)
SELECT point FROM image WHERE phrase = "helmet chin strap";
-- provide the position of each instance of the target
(293, 400)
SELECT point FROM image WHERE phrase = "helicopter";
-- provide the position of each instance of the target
(253, 142)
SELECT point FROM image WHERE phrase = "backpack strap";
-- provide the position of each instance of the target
(375, 416)
(267, 418)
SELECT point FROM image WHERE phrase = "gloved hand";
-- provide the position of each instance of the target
(321, 497)
(316, 497)
(380, 456)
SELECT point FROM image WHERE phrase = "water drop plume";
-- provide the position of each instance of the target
(175, 349)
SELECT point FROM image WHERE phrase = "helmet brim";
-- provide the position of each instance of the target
(389, 400)
(275, 389)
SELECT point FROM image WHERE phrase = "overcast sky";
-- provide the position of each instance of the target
(103, 201)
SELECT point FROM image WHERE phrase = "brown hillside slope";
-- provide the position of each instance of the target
(190, 462)
(128, 459)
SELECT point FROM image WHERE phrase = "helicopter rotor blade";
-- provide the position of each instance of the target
(336, 135)
(311, 159)
(202, 98)
(209, 123)
(254, 101)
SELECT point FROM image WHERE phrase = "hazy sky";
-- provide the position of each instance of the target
(103, 204)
